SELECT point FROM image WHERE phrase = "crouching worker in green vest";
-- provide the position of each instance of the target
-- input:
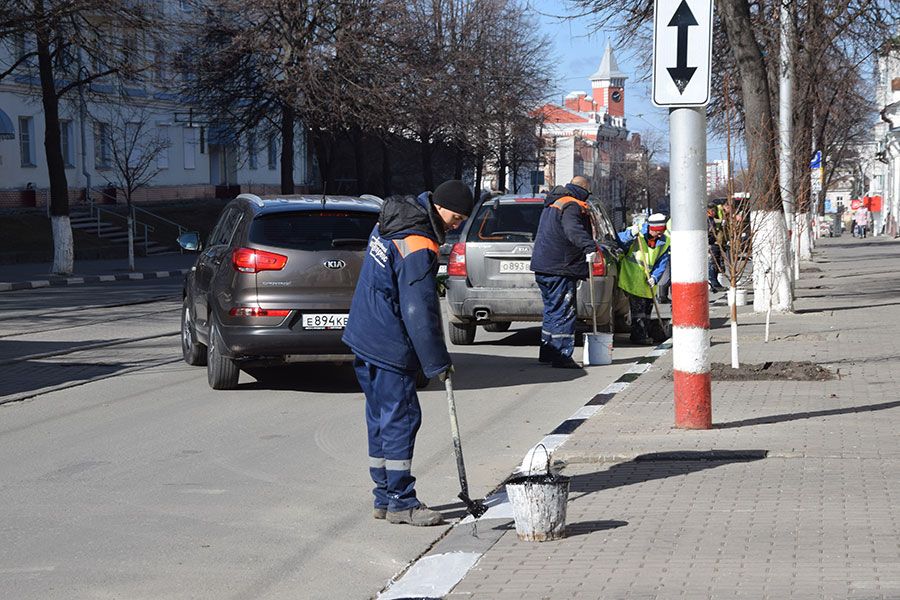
(640, 268)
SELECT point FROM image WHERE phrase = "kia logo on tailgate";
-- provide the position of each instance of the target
(335, 264)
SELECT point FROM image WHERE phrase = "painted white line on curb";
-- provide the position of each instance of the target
(162, 274)
(135, 276)
(39, 283)
(107, 278)
(74, 280)
(614, 388)
(638, 369)
(432, 576)
(5, 287)
(585, 412)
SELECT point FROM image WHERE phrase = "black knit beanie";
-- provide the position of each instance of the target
(454, 195)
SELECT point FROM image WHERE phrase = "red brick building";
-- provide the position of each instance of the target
(587, 136)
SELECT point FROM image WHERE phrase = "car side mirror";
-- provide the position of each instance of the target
(189, 241)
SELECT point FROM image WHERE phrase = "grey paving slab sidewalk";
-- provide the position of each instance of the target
(35, 275)
(795, 492)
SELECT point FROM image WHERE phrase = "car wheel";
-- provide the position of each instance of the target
(421, 381)
(498, 327)
(462, 334)
(193, 351)
(221, 371)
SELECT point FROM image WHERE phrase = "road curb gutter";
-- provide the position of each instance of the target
(433, 575)
(88, 279)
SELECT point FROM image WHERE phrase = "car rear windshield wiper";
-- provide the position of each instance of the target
(336, 242)
(527, 234)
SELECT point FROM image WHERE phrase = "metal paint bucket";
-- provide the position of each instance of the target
(539, 504)
(598, 348)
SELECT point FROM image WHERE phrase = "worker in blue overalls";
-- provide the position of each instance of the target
(395, 329)
(564, 240)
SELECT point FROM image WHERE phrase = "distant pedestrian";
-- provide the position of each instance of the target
(395, 329)
(862, 221)
(646, 252)
(716, 239)
(564, 240)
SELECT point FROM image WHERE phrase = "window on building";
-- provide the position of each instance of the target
(159, 62)
(251, 151)
(272, 148)
(20, 47)
(190, 147)
(102, 145)
(134, 146)
(67, 141)
(162, 157)
(26, 141)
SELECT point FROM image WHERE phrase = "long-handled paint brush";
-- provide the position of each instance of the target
(476, 508)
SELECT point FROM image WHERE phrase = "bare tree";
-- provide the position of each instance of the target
(75, 44)
(135, 146)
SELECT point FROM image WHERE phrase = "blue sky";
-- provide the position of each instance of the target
(578, 51)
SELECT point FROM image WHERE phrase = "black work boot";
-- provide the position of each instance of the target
(565, 362)
(546, 354)
(420, 516)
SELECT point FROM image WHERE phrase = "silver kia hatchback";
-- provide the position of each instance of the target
(273, 283)
(489, 281)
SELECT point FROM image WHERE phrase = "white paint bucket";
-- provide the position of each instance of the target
(737, 297)
(598, 348)
(539, 504)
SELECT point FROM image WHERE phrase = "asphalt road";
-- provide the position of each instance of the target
(122, 475)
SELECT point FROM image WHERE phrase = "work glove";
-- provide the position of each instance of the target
(651, 281)
(590, 257)
(443, 375)
(634, 229)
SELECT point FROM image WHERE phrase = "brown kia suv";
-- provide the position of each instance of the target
(273, 283)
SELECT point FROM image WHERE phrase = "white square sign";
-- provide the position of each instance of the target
(682, 46)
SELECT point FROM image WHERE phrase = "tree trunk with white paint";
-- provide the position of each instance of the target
(735, 363)
(130, 240)
(63, 245)
(771, 267)
(804, 231)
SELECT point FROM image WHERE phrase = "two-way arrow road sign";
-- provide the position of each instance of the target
(682, 47)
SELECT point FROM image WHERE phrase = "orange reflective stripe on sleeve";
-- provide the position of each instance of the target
(561, 203)
(414, 243)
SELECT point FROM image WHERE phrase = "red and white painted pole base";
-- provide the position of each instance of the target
(690, 248)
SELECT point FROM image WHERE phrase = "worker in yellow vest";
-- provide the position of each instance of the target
(644, 262)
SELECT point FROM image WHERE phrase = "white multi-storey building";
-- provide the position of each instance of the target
(716, 176)
(885, 178)
(200, 160)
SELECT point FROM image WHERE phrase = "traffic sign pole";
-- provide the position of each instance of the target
(682, 52)
(690, 248)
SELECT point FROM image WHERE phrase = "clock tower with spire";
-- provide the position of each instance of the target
(608, 85)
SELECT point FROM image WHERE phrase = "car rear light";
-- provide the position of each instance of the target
(456, 264)
(255, 311)
(599, 265)
(249, 260)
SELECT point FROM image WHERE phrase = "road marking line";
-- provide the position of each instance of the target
(432, 576)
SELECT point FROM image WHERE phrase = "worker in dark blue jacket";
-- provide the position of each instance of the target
(395, 329)
(563, 243)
